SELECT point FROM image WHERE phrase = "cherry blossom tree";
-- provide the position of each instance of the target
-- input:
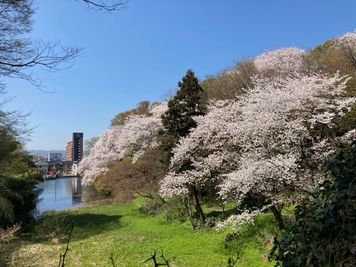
(260, 146)
(205, 153)
(281, 61)
(347, 44)
(138, 132)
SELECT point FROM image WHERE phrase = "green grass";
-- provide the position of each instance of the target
(131, 237)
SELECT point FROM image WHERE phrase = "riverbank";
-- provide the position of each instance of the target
(58, 177)
(130, 237)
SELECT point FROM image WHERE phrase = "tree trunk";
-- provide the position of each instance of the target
(277, 212)
(161, 198)
(196, 203)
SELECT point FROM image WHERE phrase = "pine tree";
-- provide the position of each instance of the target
(187, 103)
(178, 121)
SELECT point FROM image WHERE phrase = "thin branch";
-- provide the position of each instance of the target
(113, 5)
(112, 260)
(63, 257)
(155, 262)
(51, 56)
(166, 262)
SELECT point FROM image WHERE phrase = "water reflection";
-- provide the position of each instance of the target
(60, 193)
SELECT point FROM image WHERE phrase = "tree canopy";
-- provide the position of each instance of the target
(187, 103)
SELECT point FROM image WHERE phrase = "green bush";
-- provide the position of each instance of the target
(324, 233)
(18, 174)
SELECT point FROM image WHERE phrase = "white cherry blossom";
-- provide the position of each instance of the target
(136, 134)
(257, 143)
(283, 61)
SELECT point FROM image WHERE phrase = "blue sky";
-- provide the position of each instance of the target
(142, 52)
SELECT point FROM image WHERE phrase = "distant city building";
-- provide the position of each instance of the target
(37, 158)
(69, 151)
(74, 151)
(54, 156)
(77, 146)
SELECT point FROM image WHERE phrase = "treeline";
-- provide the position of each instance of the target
(260, 135)
(18, 174)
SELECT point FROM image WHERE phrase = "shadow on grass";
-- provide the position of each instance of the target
(55, 227)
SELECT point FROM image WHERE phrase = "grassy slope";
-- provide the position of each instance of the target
(132, 237)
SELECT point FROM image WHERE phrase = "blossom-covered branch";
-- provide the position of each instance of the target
(130, 139)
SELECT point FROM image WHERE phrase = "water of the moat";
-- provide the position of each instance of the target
(59, 194)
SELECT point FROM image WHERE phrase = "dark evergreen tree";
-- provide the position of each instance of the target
(187, 103)
(178, 120)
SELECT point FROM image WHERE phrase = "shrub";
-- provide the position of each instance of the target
(324, 233)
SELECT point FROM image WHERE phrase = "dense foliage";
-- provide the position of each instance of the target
(324, 233)
(18, 174)
(230, 83)
(124, 181)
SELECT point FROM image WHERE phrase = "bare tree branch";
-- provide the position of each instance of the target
(112, 5)
(112, 260)
(155, 261)
(49, 56)
(18, 53)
